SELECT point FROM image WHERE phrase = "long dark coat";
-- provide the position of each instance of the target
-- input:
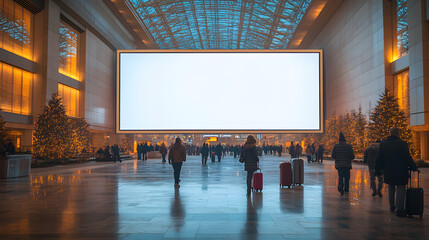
(249, 156)
(394, 159)
(343, 155)
(205, 151)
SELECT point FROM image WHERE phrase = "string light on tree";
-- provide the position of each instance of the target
(388, 114)
(52, 137)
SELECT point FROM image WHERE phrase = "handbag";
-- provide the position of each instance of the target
(241, 156)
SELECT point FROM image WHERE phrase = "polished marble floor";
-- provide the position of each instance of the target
(137, 200)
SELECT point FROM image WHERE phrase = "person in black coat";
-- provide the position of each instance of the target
(145, 148)
(393, 160)
(250, 158)
(116, 155)
(343, 155)
(319, 155)
(219, 150)
(292, 150)
(204, 154)
(139, 151)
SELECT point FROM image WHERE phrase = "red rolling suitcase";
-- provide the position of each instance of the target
(257, 180)
(414, 202)
(213, 157)
(285, 174)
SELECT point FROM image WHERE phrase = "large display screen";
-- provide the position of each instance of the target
(233, 91)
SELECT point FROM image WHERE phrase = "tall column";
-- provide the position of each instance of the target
(424, 145)
(419, 63)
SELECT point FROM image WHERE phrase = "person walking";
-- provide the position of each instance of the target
(313, 151)
(250, 158)
(163, 150)
(219, 150)
(176, 157)
(144, 150)
(393, 160)
(298, 151)
(308, 152)
(369, 157)
(280, 150)
(116, 154)
(319, 155)
(343, 155)
(292, 150)
(204, 154)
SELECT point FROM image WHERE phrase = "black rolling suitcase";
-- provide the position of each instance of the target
(414, 198)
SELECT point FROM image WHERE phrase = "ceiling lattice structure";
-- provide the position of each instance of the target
(221, 24)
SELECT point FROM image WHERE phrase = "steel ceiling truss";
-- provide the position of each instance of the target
(221, 24)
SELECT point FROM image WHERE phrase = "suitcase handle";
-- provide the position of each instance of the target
(418, 178)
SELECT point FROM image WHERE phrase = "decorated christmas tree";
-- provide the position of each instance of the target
(354, 129)
(332, 131)
(360, 140)
(127, 143)
(385, 115)
(82, 137)
(53, 135)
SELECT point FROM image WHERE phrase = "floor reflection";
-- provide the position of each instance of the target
(137, 200)
(254, 203)
(177, 211)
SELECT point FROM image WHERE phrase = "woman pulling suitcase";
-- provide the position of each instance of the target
(249, 157)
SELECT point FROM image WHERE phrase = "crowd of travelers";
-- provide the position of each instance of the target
(111, 152)
(388, 161)
(312, 154)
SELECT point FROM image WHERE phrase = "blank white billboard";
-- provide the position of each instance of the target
(257, 91)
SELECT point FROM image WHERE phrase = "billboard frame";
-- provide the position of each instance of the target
(241, 131)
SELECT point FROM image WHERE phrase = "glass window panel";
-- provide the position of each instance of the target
(70, 98)
(77, 104)
(15, 34)
(400, 28)
(7, 26)
(27, 48)
(27, 80)
(207, 24)
(6, 88)
(72, 103)
(1, 22)
(69, 50)
(18, 38)
(67, 99)
(401, 89)
(17, 90)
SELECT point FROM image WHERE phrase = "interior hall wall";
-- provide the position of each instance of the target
(99, 85)
(104, 34)
(354, 64)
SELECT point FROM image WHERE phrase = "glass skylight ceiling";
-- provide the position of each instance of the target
(221, 24)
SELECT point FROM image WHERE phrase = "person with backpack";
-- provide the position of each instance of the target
(369, 157)
(250, 158)
(176, 157)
